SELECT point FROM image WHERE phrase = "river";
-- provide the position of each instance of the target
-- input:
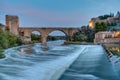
(69, 62)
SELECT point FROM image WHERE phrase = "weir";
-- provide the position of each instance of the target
(70, 62)
(36, 64)
(92, 64)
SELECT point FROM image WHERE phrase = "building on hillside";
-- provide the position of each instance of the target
(92, 22)
(113, 22)
(107, 37)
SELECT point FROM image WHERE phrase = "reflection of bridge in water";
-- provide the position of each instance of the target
(12, 23)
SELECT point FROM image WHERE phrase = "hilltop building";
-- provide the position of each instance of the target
(112, 21)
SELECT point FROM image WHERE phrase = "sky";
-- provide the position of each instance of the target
(56, 13)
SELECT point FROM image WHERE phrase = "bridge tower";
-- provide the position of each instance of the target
(12, 24)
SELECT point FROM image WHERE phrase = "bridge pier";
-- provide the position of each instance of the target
(69, 38)
(44, 43)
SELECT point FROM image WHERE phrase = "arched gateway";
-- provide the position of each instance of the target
(12, 23)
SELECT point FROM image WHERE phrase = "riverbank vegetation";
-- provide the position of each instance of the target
(84, 34)
(101, 26)
(7, 40)
(53, 38)
(35, 37)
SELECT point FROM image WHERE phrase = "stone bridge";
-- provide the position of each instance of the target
(44, 32)
(12, 23)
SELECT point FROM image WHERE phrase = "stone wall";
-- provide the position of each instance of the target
(107, 40)
(106, 37)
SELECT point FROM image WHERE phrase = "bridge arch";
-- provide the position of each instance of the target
(57, 30)
(35, 30)
(35, 35)
(57, 35)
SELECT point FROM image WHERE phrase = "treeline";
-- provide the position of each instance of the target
(7, 40)
(84, 34)
(102, 17)
(88, 35)
(35, 37)
(53, 38)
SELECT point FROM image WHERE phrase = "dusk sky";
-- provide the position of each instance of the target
(56, 12)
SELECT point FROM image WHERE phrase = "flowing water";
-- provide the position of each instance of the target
(92, 64)
(30, 62)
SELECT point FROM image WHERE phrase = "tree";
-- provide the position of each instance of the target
(35, 37)
(102, 17)
(104, 26)
(7, 40)
(79, 37)
(101, 26)
(1, 53)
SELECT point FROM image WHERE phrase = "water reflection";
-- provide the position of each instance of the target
(37, 64)
(22, 50)
(116, 49)
(92, 64)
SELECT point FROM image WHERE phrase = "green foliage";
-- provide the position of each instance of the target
(53, 38)
(19, 41)
(79, 37)
(35, 37)
(101, 26)
(84, 34)
(1, 53)
(90, 37)
(105, 16)
(4, 42)
(7, 40)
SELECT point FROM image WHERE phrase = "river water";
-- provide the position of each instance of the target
(69, 62)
